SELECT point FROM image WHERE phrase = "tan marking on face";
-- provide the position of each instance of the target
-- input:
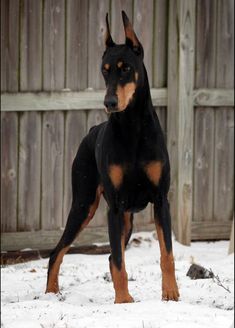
(125, 95)
(136, 76)
(107, 66)
(119, 64)
(116, 175)
(154, 171)
(169, 286)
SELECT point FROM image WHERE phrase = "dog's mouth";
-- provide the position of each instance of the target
(113, 110)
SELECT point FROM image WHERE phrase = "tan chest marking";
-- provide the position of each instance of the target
(116, 175)
(154, 171)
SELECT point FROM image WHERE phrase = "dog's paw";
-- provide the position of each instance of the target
(124, 299)
(170, 295)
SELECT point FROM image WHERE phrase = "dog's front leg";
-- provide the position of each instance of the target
(163, 225)
(117, 227)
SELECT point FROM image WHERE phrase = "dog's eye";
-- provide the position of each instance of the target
(126, 68)
(105, 71)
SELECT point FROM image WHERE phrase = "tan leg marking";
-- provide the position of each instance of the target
(169, 286)
(125, 95)
(154, 171)
(120, 278)
(116, 175)
(53, 284)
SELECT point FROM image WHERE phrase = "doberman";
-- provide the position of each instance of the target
(126, 160)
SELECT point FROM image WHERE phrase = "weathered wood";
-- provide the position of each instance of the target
(208, 230)
(203, 187)
(231, 242)
(15, 241)
(224, 120)
(77, 40)
(96, 117)
(213, 97)
(172, 109)
(185, 118)
(52, 170)
(15, 257)
(9, 45)
(205, 56)
(117, 30)
(31, 45)
(97, 30)
(182, 116)
(224, 165)
(160, 43)
(43, 101)
(205, 73)
(54, 45)
(9, 171)
(75, 130)
(143, 26)
(29, 190)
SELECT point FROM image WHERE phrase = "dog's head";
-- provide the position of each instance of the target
(122, 68)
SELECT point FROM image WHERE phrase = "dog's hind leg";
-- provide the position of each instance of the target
(163, 225)
(120, 227)
(86, 195)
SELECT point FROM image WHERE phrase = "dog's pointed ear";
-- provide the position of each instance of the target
(108, 39)
(131, 38)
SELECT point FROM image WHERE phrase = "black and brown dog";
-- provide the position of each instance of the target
(126, 160)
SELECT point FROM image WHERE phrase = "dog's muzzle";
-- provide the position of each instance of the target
(111, 103)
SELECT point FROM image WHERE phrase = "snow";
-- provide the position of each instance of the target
(86, 299)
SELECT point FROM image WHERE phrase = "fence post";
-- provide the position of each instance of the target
(180, 113)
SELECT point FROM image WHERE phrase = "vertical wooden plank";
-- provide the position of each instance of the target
(75, 130)
(143, 26)
(203, 165)
(173, 108)
(180, 111)
(9, 171)
(205, 74)
(52, 169)
(160, 43)
(9, 45)
(96, 117)
(77, 44)
(224, 164)
(231, 242)
(117, 29)
(97, 29)
(31, 45)
(54, 45)
(29, 172)
(224, 126)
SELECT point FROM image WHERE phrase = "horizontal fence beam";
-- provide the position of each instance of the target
(42, 239)
(44, 101)
(214, 97)
(66, 100)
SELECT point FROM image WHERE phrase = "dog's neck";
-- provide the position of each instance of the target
(132, 120)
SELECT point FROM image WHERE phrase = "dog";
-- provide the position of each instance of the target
(125, 159)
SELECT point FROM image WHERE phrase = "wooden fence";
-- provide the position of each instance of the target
(52, 94)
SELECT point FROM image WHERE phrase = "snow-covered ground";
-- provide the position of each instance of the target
(87, 295)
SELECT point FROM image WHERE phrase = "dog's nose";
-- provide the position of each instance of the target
(111, 102)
